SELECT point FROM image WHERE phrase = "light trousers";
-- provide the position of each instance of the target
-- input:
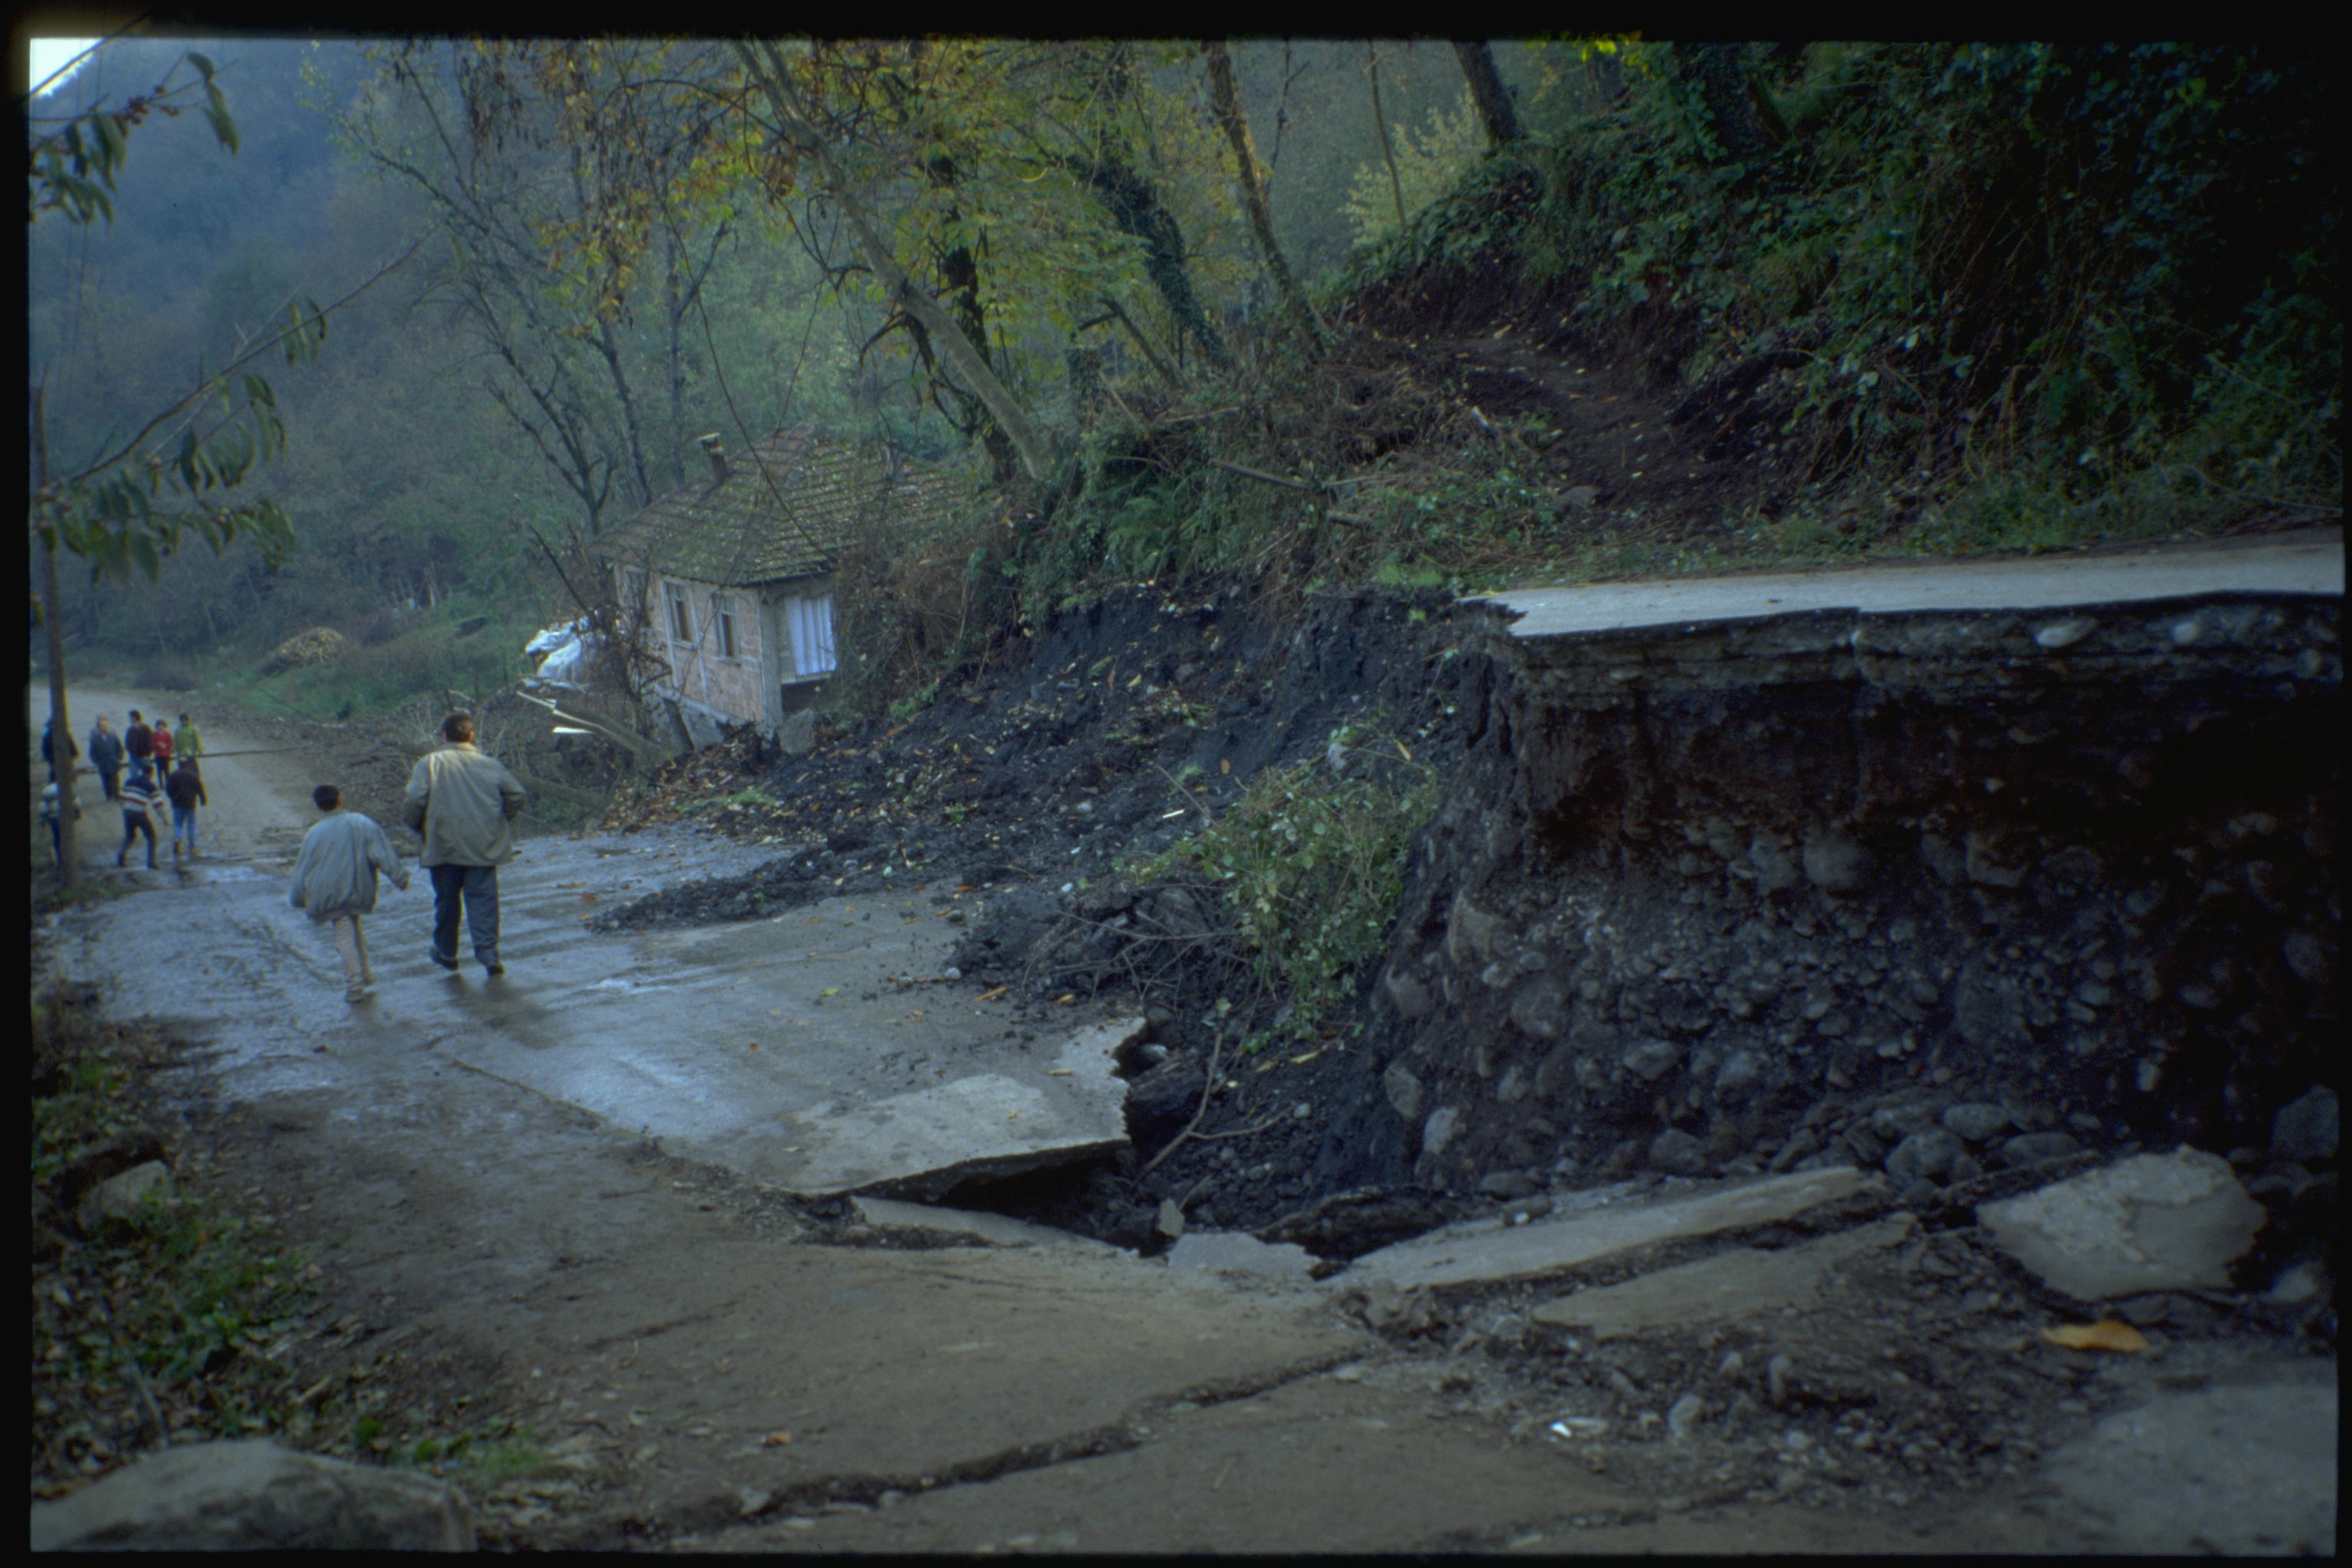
(349, 943)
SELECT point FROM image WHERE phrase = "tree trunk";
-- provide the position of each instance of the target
(1014, 420)
(1136, 207)
(1487, 91)
(960, 274)
(60, 722)
(674, 309)
(1719, 73)
(610, 350)
(1227, 104)
(1380, 123)
(1608, 73)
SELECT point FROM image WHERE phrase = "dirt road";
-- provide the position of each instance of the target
(259, 804)
(560, 1200)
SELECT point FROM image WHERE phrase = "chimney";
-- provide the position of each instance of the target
(718, 456)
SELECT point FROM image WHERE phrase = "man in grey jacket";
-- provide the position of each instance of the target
(465, 804)
(106, 756)
(334, 880)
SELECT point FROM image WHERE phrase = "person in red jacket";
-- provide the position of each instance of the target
(162, 744)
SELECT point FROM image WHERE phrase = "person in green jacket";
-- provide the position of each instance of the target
(192, 742)
(464, 804)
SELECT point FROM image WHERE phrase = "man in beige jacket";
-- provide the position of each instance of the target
(465, 804)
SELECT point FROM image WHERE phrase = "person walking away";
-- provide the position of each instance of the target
(188, 793)
(162, 744)
(334, 880)
(50, 795)
(140, 799)
(106, 756)
(465, 804)
(139, 741)
(189, 742)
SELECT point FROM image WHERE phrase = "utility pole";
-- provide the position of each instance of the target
(61, 767)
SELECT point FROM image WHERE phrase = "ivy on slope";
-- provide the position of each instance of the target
(2104, 276)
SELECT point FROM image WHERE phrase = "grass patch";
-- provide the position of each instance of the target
(173, 1322)
(424, 658)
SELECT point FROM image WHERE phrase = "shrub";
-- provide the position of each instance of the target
(1311, 862)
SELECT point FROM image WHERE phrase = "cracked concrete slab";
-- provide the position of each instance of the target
(913, 1363)
(2310, 564)
(1494, 1249)
(1743, 1283)
(817, 1052)
(1315, 1466)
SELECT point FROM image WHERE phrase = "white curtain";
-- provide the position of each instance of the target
(811, 623)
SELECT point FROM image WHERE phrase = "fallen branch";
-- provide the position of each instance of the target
(1208, 1087)
(1347, 519)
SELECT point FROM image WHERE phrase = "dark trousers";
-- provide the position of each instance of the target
(112, 779)
(135, 823)
(477, 889)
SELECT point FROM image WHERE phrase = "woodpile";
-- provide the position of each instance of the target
(319, 645)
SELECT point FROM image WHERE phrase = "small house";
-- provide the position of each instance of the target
(732, 576)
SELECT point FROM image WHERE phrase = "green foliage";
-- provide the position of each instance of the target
(1311, 861)
(188, 1291)
(907, 707)
(2116, 265)
(1429, 162)
(72, 170)
(425, 658)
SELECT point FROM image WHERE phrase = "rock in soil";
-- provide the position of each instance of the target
(2154, 1222)
(254, 1496)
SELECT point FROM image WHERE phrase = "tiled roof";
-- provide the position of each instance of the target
(784, 510)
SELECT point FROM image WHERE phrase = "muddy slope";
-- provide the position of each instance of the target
(1931, 892)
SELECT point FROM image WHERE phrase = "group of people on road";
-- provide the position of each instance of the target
(151, 784)
(463, 803)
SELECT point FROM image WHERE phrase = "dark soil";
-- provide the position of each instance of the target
(1032, 787)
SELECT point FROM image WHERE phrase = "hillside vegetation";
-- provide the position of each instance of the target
(1687, 307)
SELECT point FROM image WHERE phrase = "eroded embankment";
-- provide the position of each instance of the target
(1755, 894)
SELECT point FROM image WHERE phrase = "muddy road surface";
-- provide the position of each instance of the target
(623, 1193)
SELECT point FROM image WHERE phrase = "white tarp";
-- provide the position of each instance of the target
(555, 637)
(569, 662)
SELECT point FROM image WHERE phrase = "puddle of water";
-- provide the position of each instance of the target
(632, 987)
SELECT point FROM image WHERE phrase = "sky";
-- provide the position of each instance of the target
(48, 54)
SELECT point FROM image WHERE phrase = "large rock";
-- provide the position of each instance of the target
(2154, 1222)
(117, 1199)
(1976, 1121)
(1926, 1155)
(797, 736)
(254, 1496)
(1403, 1091)
(1677, 1153)
(2308, 1128)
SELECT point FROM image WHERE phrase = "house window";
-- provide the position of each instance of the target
(682, 615)
(810, 622)
(722, 609)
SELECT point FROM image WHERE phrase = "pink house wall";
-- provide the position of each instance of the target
(737, 687)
